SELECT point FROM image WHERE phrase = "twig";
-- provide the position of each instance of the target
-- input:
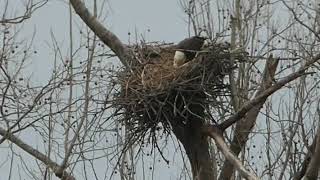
(215, 133)
(249, 105)
(37, 154)
(106, 36)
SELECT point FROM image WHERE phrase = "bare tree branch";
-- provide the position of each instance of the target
(249, 105)
(64, 175)
(245, 125)
(214, 133)
(300, 21)
(304, 165)
(314, 165)
(30, 8)
(251, 111)
(106, 36)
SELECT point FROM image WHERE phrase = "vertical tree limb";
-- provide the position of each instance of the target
(250, 110)
(243, 128)
(193, 140)
(299, 175)
(314, 165)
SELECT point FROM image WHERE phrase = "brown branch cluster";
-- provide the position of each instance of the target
(154, 93)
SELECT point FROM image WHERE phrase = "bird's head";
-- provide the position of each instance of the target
(204, 40)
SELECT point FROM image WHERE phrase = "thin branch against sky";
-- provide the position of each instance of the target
(76, 86)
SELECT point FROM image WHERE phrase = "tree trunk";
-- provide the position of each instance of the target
(197, 149)
(188, 130)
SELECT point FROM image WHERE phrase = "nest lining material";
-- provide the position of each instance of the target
(155, 92)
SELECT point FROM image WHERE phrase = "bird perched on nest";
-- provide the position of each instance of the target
(187, 50)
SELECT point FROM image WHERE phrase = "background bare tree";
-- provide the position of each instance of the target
(293, 39)
(65, 127)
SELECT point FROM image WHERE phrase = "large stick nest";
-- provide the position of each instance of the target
(154, 92)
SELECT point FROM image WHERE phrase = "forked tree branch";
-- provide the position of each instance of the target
(278, 85)
(252, 103)
(64, 175)
(106, 36)
(245, 125)
(216, 134)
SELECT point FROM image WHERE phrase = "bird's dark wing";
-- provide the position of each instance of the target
(194, 43)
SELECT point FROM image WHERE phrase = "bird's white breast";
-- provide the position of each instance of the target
(179, 59)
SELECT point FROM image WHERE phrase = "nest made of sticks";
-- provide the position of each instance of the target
(154, 92)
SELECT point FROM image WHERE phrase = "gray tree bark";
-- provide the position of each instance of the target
(194, 141)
